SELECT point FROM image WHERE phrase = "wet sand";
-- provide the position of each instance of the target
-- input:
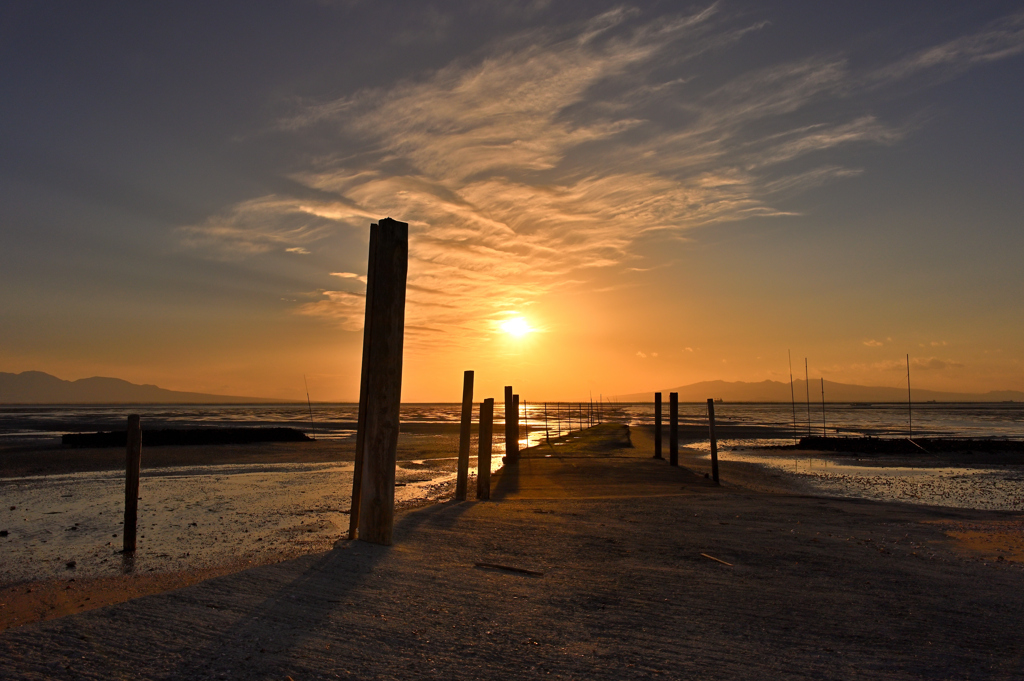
(204, 511)
(647, 571)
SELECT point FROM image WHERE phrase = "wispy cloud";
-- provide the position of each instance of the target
(541, 162)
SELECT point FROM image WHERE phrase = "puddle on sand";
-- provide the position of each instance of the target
(991, 487)
(189, 517)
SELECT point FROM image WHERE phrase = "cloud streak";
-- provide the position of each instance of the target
(542, 161)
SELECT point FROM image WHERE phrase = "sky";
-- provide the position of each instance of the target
(656, 193)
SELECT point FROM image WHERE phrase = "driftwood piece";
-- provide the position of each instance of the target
(495, 566)
(717, 560)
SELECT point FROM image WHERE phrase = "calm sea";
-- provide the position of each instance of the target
(991, 420)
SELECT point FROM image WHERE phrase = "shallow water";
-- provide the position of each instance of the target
(992, 487)
(189, 517)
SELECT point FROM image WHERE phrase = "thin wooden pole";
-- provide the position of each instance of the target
(386, 327)
(465, 433)
(310, 405)
(483, 458)
(910, 405)
(807, 385)
(673, 429)
(824, 431)
(657, 426)
(132, 471)
(714, 440)
(792, 395)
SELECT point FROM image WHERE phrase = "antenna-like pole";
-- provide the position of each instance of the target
(310, 405)
(792, 395)
(824, 432)
(910, 405)
(807, 385)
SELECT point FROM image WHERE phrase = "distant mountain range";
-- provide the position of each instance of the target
(36, 387)
(776, 391)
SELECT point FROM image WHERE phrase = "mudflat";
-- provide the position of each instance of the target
(591, 561)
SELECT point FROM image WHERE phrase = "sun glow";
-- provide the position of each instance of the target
(517, 327)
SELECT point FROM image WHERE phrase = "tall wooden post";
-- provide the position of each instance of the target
(509, 410)
(373, 485)
(673, 429)
(132, 471)
(526, 422)
(657, 427)
(714, 440)
(483, 459)
(462, 476)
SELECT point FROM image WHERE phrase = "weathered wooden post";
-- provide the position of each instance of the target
(657, 427)
(526, 422)
(510, 409)
(132, 471)
(483, 458)
(673, 429)
(462, 476)
(714, 440)
(373, 484)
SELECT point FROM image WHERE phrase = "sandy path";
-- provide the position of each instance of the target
(818, 588)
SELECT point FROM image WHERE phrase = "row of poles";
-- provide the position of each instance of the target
(584, 417)
(673, 432)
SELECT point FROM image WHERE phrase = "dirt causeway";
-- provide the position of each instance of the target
(645, 571)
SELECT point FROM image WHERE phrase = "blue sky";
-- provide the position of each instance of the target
(667, 192)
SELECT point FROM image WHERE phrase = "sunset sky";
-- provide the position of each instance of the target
(656, 193)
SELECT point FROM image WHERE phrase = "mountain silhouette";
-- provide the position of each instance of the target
(776, 391)
(37, 387)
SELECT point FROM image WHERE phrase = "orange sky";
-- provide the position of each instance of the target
(664, 197)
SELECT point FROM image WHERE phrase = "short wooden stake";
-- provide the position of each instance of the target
(465, 433)
(132, 471)
(514, 432)
(373, 497)
(547, 432)
(714, 440)
(483, 458)
(673, 429)
(657, 427)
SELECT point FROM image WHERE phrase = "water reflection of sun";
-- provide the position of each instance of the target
(517, 326)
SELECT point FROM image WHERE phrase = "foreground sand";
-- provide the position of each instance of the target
(817, 588)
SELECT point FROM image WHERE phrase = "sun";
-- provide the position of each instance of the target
(517, 326)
